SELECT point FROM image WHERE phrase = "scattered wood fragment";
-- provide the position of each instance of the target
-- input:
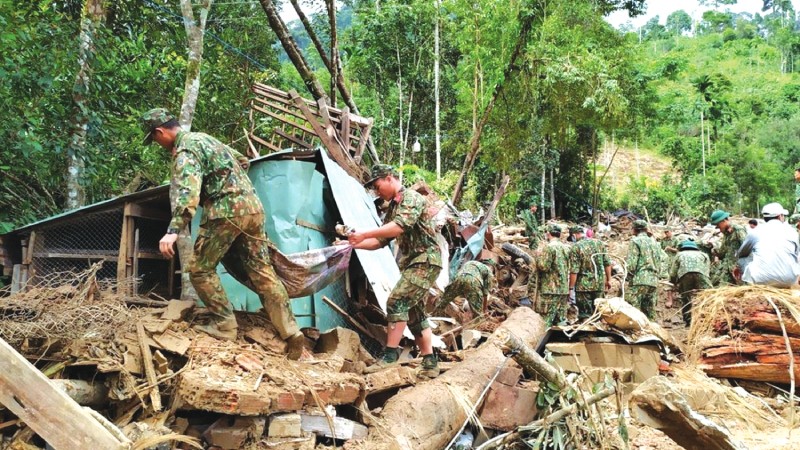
(149, 369)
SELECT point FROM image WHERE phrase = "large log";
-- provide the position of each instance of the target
(773, 373)
(657, 403)
(427, 416)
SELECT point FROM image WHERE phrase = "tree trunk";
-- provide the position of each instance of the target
(287, 41)
(475, 143)
(340, 84)
(436, 56)
(427, 416)
(195, 32)
(333, 68)
(93, 13)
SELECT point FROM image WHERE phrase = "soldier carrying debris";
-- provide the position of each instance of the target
(474, 281)
(644, 266)
(210, 174)
(553, 266)
(589, 271)
(689, 273)
(732, 237)
(408, 220)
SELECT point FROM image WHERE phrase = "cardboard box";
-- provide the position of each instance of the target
(642, 360)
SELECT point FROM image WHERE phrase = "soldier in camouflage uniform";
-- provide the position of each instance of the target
(689, 274)
(528, 217)
(409, 220)
(797, 190)
(644, 265)
(589, 271)
(474, 281)
(732, 237)
(210, 174)
(553, 266)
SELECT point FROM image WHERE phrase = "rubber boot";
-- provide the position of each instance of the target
(429, 368)
(296, 346)
(388, 359)
(224, 329)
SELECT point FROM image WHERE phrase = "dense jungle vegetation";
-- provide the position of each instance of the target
(543, 91)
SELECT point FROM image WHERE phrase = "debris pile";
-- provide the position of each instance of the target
(747, 333)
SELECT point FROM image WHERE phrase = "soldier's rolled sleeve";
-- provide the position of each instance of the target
(409, 211)
(187, 174)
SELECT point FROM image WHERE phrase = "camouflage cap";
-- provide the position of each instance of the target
(153, 119)
(576, 229)
(639, 224)
(380, 171)
(554, 229)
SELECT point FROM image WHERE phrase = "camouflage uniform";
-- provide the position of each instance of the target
(728, 254)
(420, 262)
(473, 281)
(797, 198)
(588, 259)
(689, 273)
(531, 227)
(553, 268)
(644, 266)
(207, 172)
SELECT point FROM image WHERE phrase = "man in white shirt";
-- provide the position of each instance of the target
(774, 248)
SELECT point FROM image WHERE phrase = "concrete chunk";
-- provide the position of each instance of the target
(285, 425)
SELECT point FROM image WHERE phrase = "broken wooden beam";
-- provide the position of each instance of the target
(529, 359)
(657, 403)
(48, 411)
(149, 368)
(427, 416)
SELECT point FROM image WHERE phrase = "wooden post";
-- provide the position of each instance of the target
(47, 410)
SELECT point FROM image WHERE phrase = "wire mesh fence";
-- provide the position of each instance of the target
(74, 244)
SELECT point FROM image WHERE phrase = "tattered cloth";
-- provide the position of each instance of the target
(307, 272)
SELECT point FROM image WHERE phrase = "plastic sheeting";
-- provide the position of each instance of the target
(308, 272)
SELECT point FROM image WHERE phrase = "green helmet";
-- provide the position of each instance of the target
(639, 224)
(688, 245)
(718, 216)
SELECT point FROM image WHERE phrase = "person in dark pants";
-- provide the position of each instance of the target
(689, 274)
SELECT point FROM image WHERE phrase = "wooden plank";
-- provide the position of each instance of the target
(344, 128)
(334, 149)
(145, 212)
(282, 120)
(348, 317)
(774, 373)
(74, 255)
(122, 258)
(266, 144)
(770, 323)
(136, 261)
(29, 253)
(149, 369)
(47, 410)
(293, 139)
(362, 144)
(281, 108)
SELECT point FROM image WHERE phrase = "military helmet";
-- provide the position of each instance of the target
(575, 229)
(688, 245)
(554, 229)
(718, 216)
(639, 224)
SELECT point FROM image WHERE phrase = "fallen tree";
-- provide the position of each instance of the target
(428, 415)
